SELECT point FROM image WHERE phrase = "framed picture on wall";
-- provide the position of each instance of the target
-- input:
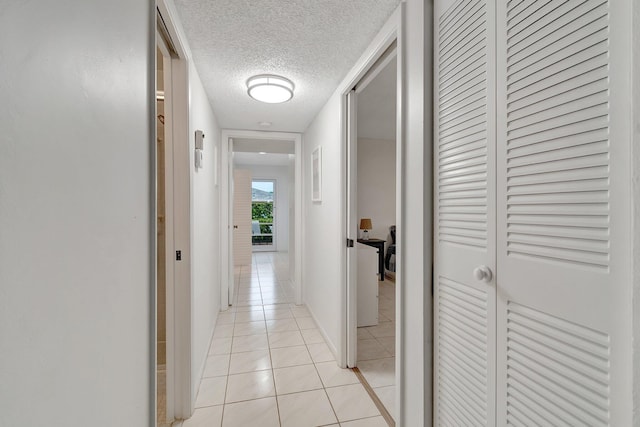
(316, 177)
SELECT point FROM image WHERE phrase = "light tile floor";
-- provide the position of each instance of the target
(268, 364)
(376, 348)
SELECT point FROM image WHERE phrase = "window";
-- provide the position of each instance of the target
(262, 213)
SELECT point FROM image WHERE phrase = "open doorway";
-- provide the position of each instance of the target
(266, 167)
(376, 213)
(161, 243)
(173, 319)
(262, 199)
(372, 209)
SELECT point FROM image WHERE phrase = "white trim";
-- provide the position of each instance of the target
(169, 244)
(391, 32)
(226, 270)
(185, 400)
(352, 231)
(180, 399)
(377, 68)
(226, 253)
(414, 243)
(385, 38)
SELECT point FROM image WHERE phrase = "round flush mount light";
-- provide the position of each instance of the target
(270, 88)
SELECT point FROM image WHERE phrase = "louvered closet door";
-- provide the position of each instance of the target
(464, 352)
(561, 215)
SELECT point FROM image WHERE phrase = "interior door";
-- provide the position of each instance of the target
(464, 227)
(242, 217)
(562, 214)
(558, 204)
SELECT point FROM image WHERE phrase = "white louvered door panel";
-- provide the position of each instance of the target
(464, 310)
(560, 214)
(242, 249)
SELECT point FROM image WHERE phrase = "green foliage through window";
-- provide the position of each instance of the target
(262, 212)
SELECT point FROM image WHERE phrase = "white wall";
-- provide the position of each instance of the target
(281, 175)
(75, 213)
(205, 220)
(323, 228)
(377, 185)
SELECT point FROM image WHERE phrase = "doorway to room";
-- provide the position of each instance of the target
(372, 217)
(376, 244)
(172, 337)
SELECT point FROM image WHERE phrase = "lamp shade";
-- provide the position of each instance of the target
(365, 224)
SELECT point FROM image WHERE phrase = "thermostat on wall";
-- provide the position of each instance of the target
(199, 147)
(199, 140)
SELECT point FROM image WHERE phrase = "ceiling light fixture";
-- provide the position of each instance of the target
(270, 89)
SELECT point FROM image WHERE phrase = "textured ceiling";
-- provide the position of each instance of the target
(377, 106)
(312, 42)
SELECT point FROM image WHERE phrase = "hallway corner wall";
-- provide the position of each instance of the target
(205, 231)
(76, 216)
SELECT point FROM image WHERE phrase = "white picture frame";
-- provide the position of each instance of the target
(316, 175)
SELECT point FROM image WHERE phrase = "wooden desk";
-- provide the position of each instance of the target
(378, 244)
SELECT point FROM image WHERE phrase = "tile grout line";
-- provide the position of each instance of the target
(274, 305)
(273, 374)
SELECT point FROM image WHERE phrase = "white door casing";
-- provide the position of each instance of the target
(352, 229)
(180, 395)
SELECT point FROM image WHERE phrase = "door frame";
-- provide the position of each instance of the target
(226, 199)
(364, 69)
(389, 54)
(180, 398)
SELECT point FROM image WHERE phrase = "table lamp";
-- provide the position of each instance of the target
(365, 225)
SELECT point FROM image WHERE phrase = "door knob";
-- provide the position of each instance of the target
(483, 273)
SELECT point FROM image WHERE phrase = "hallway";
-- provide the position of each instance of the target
(268, 364)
